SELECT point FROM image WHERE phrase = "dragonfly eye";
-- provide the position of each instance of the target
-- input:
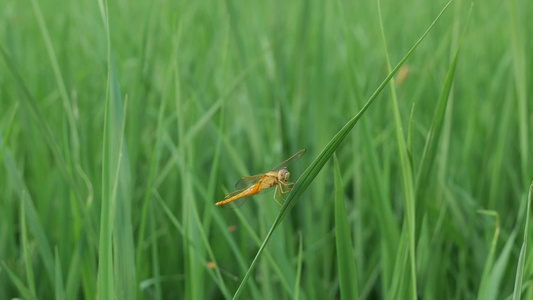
(283, 175)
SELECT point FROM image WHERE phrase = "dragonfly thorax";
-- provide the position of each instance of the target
(283, 175)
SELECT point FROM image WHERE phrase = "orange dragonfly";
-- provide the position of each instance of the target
(252, 185)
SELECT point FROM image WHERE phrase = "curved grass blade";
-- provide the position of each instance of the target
(345, 257)
(312, 171)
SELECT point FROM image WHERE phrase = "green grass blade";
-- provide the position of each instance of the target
(123, 244)
(312, 171)
(270, 258)
(74, 271)
(69, 112)
(8, 132)
(25, 248)
(498, 273)
(106, 273)
(59, 287)
(483, 292)
(194, 245)
(154, 162)
(517, 294)
(154, 247)
(406, 169)
(24, 291)
(434, 134)
(29, 103)
(521, 83)
(299, 268)
(399, 277)
(343, 241)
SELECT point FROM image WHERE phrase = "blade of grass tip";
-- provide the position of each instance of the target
(26, 249)
(312, 171)
(59, 288)
(299, 268)
(24, 291)
(483, 287)
(517, 293)
(343, 241)
(433, 137)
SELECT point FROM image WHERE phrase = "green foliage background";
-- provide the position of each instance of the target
(122, 123)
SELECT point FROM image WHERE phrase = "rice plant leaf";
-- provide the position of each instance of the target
(517, 293)
(343, 240)
(316, 166)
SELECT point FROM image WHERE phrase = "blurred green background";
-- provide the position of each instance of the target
(123, 122)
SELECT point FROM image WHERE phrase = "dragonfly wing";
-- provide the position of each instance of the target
(248, 181)
(292, 159)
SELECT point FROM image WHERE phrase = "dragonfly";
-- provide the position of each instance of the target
(249, 186)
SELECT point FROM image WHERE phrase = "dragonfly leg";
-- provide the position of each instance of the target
(275, 193)
(286, 185)
(281, 192)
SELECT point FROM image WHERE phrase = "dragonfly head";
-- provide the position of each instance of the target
(283, 175)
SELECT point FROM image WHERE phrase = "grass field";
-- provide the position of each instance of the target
(123, 122)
